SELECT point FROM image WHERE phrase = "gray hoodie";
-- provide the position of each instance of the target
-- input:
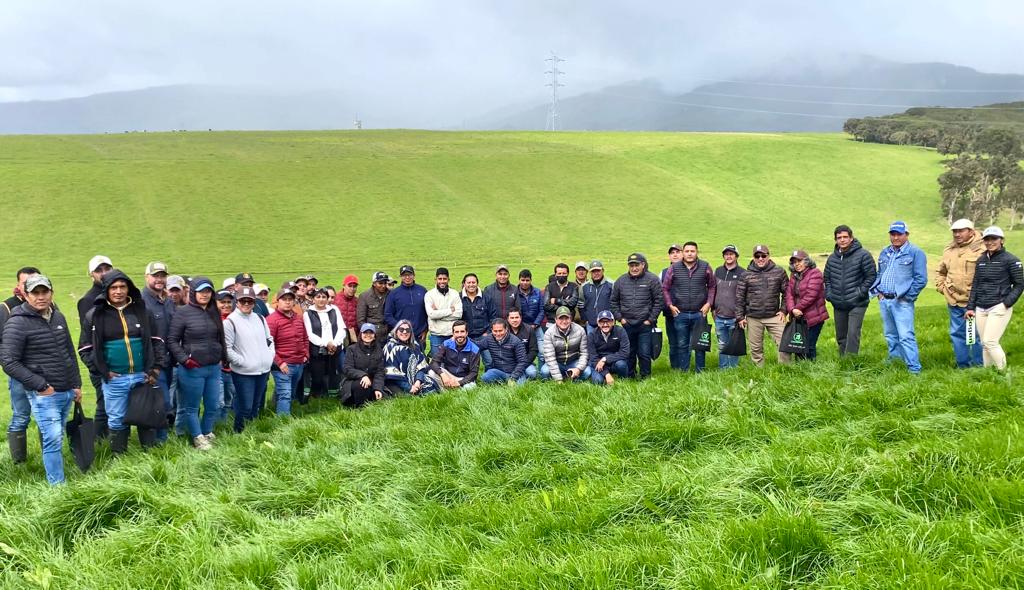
(249, 345)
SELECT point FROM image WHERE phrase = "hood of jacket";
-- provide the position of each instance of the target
(134, 294)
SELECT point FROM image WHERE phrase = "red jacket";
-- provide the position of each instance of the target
(291, 345)
(808, 295)
(347, 307)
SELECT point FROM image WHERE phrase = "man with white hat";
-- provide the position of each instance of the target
(99, 266)
(953, 279)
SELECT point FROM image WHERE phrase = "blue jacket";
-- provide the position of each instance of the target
(532, 306)
(508, 355)
(596, 298)
(406, 303)
(908, 275)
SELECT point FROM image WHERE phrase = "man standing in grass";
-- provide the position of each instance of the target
(347, 303)
(444, 306)
(849, 273)
(370, 305)
(531, 304)
(162, 309)
(689, 290)
(759, 302)
(637, 301)
(21, 409)
(597, 295)
(405, 302)
(560, 293)
(581, 271)
(902, 274)
(675, 254)
(727, 280)
(953, 279)
(291, 351)
(99, 266)
(500, 295)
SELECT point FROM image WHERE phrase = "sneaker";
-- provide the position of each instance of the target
(210, 437)
(201, 443)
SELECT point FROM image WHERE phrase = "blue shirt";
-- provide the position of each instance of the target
(902, 272)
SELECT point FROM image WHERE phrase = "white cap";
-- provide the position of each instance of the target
(97, 260)
(992, 230)
(260, 287)
(228, 282)
(961, 224)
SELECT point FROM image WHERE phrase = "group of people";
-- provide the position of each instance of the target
(211, 349)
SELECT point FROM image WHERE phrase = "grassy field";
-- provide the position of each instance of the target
(843, 473)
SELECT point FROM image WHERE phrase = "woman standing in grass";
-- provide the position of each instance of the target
(364, 369)
(405, 365)
(805, 299)
(196, 340)
(326, 330)
(998, 283)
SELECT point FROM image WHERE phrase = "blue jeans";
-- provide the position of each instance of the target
(670, 335)
(684, 324)
(115, 396)
(21, 409)
(485, 355)
(195, 386)
(227, 395)
(499, 376)
(723, 329)
(247, 388)
(618, 368)
(426, 386)
(531, 372)
(285, 388)
(538, 332)
(164, 381)
(898, 324)
(966, 356)
(50, 413)
(436, 342)
(639, 348)
(545, 373)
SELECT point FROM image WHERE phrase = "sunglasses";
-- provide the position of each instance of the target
(759, 256)
(246, 302)
(404, 330)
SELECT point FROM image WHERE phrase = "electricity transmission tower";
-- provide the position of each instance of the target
(552, 122)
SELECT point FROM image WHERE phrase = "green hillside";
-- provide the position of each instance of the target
(1010, 115)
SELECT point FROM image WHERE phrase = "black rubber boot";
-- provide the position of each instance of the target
(147, 437)
(18, 444)
(119, 440)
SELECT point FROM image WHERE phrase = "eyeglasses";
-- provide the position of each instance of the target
(759, 256)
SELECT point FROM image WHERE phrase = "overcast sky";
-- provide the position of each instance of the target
(461, 56)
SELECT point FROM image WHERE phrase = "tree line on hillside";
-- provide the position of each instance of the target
(983, 177)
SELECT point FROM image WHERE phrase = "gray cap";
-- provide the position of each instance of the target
(36, 281)
(596, 265)
(605, 315)
(992, 231)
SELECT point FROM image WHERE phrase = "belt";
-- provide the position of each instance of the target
(888, 295)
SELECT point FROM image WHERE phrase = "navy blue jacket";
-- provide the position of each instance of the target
(596, 298)
(475, 314)
(406, 303)
(463, 364)
(531, 306)
(508, 355)
(612, 349)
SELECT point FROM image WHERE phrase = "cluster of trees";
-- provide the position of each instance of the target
(983, 177)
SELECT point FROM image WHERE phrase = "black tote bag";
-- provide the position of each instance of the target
(794, 338)
(700, 335)
(656, 343)
(146, 407)
(81, 438)
(737, 343)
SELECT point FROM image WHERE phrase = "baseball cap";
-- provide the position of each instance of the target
(582, 265)
(899, 227)
(675, 247)
(154, 267)
(244, 277)
(301, 278)
(993, 231)
(380, 277)
(224, 294)
(98, 260)
(36, 281)
(799, 255)
(605, 315)
(228, 282)
(312, 279)
(285, 293)
(289, 285)
(260, 288)
(407, 269)
(247, 293)
(175, 282)
(636, 258)
(961, 224)
(501, 267)
(730, 248)
(203, 286)
(563, 311)
(392, 281)
(350, 279)
(761, 249)
(367, 327)
(596, 265)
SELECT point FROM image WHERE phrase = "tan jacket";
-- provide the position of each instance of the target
(955, 274)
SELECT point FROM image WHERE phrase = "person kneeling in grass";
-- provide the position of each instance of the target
(364, 369)
(457, 360)
(507, 355)
(405, 365)
(525, 333)
(565, 349)
(608, 350)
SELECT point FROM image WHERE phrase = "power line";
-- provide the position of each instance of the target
(867, 89)
(552, 122)
(852, 104)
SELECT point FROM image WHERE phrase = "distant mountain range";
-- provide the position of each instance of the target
(792, 97)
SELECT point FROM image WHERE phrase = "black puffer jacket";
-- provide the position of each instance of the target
(38, 352)
(508, 355)
(637, 298)
(136, 315)
(848, 277)
(361, 361)
(761, 292)
(197, 333)
(998, 278)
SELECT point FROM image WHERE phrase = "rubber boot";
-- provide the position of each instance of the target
(18, 444)
(147, 437)
(119, 440)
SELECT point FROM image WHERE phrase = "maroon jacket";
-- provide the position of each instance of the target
(808, 295)
(347, 307)
(291, 345)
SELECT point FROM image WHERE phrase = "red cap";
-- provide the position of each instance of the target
(350, 279)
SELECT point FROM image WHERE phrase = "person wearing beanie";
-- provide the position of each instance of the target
(444, 306)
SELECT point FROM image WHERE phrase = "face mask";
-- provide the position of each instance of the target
(562, 280)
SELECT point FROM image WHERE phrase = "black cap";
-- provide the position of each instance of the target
(406, 269)
(244, 277)
(730, 248)
(441, 271)
(225, 294)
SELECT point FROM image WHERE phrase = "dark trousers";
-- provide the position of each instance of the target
(639, 348)
(357, 395)
(100, 418)
(848, 325)
(323, 371)
(247, 394)
(813, 332)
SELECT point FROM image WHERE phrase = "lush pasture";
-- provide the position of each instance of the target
(842, 473)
